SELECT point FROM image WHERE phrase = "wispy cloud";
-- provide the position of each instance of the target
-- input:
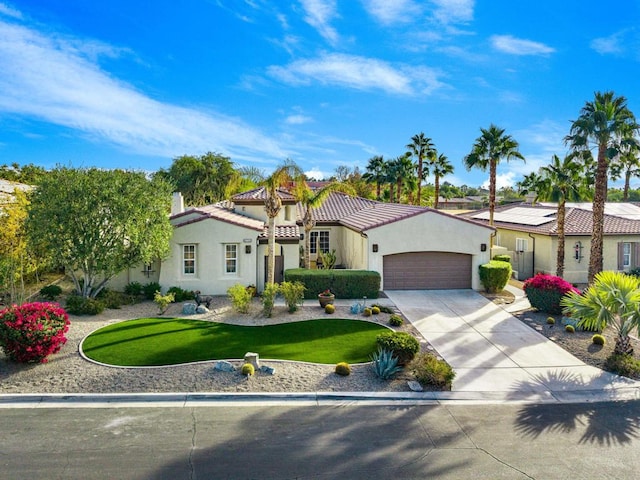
(9, 11)
(518, 46)
(392, 12)
(453, 11)
(298, 119)
(359, 73)
(58, 80)
(619, 43)
(319, 14)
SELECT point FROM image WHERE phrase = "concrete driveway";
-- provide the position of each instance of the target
(494, 354)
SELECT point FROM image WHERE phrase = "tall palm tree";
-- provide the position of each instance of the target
(440, 167)
(420, 147)
(487, 151)
(602, 124)
(311, 200)
(562, 181)
(375, 173)
(627, 163)
(530, 184)
(390, 177)
(283, 175)
(403, 172)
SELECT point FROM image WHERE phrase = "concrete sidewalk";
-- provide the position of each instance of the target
(495, 354)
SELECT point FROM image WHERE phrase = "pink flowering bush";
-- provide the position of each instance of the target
(545, 292)
(33, 331)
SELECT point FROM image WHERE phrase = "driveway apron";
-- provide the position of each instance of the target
(492, 351)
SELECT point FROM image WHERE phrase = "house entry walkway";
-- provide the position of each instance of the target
(496, 356)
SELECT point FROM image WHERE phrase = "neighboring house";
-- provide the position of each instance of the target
(217, 246)
(529, 233)
(459, 203)
(8, 188)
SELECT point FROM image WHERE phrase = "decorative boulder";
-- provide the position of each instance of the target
(268, 370)
(188, 308)
(202, 309)
(224, 366)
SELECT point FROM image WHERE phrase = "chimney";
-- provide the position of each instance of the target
(177, 203)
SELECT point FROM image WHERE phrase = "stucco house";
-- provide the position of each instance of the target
(216, 246)
(529, 234)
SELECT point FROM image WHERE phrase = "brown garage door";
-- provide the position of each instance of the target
(426, 271)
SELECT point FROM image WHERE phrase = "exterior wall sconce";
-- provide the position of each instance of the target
(302, 236)
(483, 247)
(247, 249)
(375, 247)
(577, 251)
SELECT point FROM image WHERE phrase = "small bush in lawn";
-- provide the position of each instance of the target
(163, 301)
(330, 308)
(180, 294)
(248, 369)
(429, 370)
(268, 298)
(150, 289)
(570, 329)
(240, 298)
(598, 339)
(78, 305)
(551, 321)
(545, 292)
(33, 331)
(395, 320)
(343, 369)
(133, 288)
(385, 364)
(51, 292)
(495, 275)
(403, 345)
(375, 310)
(293, 293)
(623, 365)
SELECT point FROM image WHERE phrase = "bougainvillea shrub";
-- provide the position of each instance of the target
(545, 292)
(33, 331)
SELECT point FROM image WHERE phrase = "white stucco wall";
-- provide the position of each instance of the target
(352, 249)
(135, 274)
(430, 232)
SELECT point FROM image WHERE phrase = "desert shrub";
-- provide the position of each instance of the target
(382, 308)
(150, 289)
(181, 295)
(551, 321)
(495, 275)
(395, 320)
(248, 369)
(330, 308)
(502, 258)
(240, 298)
(343, 369)
(375, 310)
(625, 365)
(293, 293)
(385, 363)
(268, 298)
(51, 292)
(570, 329)
(598, 339)
(403, 345)
(366, 312)
(33, 331)
(635, 272)
(163, 301)
(133, 288)
(113, 299)
(78, 305)
(545, 292)
(429, 370)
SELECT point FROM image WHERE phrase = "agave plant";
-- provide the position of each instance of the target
(385, 365)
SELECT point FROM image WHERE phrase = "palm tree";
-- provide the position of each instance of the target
(390, 177)
(612, 299)
(375, 173)
(404, 172)
(561, 182)
(627, 162)
(530, 184)
(602, 124)
(283, 175)
(487, 151)
(440, 167)
(420, 147)
(311, 200)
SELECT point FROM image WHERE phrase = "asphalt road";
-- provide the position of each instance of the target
(580, 441)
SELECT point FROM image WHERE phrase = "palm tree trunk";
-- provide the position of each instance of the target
(627, 180)
(419, 198)
(560, 258)
(493, 166)
(623, 345)
(378, 191)
(271, 261)
(436, 192)
(398, 188)
(599, 198)
(391, 191)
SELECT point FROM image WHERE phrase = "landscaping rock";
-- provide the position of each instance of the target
(414, 386)
(224, 366)
(202, 309)
(253, 359)
(188, 308)
(267, 370)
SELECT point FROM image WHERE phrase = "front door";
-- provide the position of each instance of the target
(278, 276)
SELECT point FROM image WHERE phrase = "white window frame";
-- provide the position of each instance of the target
(318, 240)
(626, 254)
(189, 257)
(522, 245)
(231, 248)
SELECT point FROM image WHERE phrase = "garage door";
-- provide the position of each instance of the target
(426, 271)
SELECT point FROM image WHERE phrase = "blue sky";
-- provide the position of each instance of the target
(323, 82)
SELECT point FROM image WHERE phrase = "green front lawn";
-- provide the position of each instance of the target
(161, 341)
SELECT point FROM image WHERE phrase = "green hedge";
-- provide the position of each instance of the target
(343, 283)
(502, 258)
(495, 275)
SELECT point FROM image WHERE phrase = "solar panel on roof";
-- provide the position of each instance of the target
(520, 216)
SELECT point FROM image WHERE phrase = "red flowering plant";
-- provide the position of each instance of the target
(326, 293)
(545, 292)
(33, 331)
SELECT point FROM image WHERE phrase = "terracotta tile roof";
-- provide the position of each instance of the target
(283, 232)
(218, 212)
(257, 195)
